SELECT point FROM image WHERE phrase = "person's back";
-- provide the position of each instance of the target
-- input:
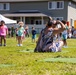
(47, 37)
(45, 42)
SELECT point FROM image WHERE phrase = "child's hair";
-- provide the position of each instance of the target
(50, 23)
(33, 28)
(63, 21)
(21, 23)
(2, 21)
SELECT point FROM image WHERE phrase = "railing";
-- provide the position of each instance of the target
(37, 27)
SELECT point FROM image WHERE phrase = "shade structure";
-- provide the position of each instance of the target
(7, 20)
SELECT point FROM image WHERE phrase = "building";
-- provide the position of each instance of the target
(36, 12)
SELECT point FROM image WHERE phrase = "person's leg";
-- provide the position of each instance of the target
(48, 47)
(4, 37)
(18, 40)
(16, 37)
(28, 34)
(21, 40)
(61, 43)
(34, 37)
(65, 43)
(65, 40)
(1, 40)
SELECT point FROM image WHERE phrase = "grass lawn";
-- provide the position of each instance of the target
(16, 60)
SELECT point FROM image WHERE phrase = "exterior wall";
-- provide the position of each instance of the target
(20, 0)
(40, 5)
(59, 12)
(72, 13)
(37, 27)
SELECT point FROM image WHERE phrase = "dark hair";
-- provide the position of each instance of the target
(2, 21)
(50, 23)
(63, 21)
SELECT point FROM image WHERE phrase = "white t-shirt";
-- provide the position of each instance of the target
(64, 32)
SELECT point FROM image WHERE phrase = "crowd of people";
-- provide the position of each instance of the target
(20, 32)
(51, 39)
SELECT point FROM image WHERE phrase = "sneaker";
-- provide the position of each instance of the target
(18, 45)
(21, 45)
(4, 44)
(65, 46)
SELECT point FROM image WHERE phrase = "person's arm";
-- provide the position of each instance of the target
(59, 30)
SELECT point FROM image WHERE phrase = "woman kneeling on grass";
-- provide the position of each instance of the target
(45, 41)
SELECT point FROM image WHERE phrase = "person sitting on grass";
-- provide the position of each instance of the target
(45, 41)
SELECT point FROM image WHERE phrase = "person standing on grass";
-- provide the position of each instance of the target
(65, 34)
(27, 31)
(9, 32)
(12, 31)
(3, 32)
(16, 31)
(33, 34)
(20, 33)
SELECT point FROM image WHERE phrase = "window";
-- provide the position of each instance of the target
(56, 5)
(37, 22)
(58, 18)
(4, 6)
(60, 5)
(52, 5)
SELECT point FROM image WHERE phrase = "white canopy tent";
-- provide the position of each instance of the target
(7, 20)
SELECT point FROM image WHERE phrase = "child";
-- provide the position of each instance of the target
(20, 33)
(33, 34)
(16, 30)
(27, 31)
(65, 34)
(3, 32)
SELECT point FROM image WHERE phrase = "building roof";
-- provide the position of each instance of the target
(25, 15)
(20, 0)
(26, 0)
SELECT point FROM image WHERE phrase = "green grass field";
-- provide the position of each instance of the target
(16, 60)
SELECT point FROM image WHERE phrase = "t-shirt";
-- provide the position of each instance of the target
(33, 32)
(65, 31)
(21, 31)
(3, 30)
